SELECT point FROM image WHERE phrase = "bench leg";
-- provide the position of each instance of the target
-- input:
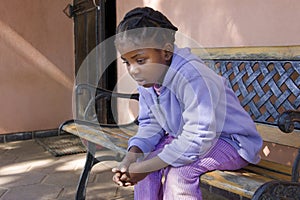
(89, 163)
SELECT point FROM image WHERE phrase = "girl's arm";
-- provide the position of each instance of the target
(139, 170)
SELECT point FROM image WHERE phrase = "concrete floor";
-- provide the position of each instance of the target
(28, 172)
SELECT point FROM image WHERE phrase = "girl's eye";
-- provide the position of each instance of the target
(126, 63)
(140, 61)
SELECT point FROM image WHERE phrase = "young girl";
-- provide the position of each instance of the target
(190, 121)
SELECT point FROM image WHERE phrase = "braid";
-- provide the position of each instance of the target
(147, 17)
(162, 31)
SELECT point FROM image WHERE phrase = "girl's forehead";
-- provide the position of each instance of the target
(133, 54)
(129, 49)
(139, 52)
(132, 44)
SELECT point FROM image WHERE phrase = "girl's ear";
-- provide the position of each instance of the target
(168, 51)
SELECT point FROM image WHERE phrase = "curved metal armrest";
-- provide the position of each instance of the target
(100, 93)
(106, 93)
(286, 120)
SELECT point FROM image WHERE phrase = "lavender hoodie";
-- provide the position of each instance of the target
(196, 107)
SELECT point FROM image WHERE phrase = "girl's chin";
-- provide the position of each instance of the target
(147, 85)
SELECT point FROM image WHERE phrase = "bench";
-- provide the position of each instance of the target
(266, 81)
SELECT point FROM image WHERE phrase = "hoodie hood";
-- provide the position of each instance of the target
(181, 56)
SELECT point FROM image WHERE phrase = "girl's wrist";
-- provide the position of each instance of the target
(134, 153)
(135, 149)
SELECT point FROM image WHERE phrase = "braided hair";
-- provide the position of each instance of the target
(142, 25)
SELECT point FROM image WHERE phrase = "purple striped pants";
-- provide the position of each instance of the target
(183, 182)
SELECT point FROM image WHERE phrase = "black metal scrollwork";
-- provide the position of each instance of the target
(278, 190)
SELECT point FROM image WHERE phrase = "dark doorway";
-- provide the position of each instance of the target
(94, 21)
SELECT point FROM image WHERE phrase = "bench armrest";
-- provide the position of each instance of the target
(101, 93)
(286, 123)
(286, 120)
(93, 95)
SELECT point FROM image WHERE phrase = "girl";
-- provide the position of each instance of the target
(190, 121)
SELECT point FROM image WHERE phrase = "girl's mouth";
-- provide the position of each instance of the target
(140, 82)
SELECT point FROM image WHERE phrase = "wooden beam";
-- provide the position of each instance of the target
(250, 53)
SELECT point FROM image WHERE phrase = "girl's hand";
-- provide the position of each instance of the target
(122, 179)
(130, 176)
(121, 176)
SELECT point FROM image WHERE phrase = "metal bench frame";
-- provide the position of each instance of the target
(267, 88)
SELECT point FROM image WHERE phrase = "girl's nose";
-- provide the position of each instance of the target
(134, 69)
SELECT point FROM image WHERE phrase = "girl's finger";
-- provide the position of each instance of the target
(117, 180)
(115, 169)
(116, 177)
(124, 177)
(129, 184)
(123, 169)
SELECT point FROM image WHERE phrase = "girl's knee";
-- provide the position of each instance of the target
(180, 183)
(182, 174)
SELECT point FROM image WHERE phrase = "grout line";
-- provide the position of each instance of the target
(5, 191)
(60, 193)
(44, 179)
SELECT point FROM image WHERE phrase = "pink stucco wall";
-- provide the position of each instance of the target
(226, 23)
(36, 65)
(37, 53)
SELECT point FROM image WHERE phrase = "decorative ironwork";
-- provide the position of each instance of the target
(264, 88)
(278, 190)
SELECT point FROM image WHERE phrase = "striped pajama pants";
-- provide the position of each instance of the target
(182, 183)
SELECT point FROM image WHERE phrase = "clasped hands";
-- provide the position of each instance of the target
(125, 175)
(129, 172)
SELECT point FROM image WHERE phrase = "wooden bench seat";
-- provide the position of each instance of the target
(243, 182)
(112, 138)
(267, 86)
(246, 181)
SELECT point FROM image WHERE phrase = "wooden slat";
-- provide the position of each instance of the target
(244, 182)
(272, 134)
(284, 169)
(250, 53)
(113, 138)
(269, 133)
(239, 182)
(268, 172)
(122, 131)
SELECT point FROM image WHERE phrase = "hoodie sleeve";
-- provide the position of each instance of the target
(149, 131)
(200, 96)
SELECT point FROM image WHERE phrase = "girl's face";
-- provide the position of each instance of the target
(147, 66)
